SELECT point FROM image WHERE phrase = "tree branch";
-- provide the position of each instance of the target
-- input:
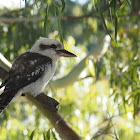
(40, 19)
(59, 123)
(4, 63)
(98, 51)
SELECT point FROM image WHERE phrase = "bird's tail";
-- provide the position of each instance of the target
(5, 99)
(47, 102)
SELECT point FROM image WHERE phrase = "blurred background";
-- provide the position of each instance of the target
(103, 100)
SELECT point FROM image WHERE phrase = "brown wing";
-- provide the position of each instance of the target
(27, 68)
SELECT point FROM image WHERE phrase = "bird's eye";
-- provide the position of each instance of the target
(53, 46)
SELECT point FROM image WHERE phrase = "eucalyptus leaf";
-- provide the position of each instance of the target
(46, 20)
(63, 6)
(32, 135)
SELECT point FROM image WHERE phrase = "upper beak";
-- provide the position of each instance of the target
(65, 53)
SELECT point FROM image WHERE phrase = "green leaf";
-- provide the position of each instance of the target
(49, 134)
(108, 6)
(103, 20)
(32, 135)
(44, 135)
(46, 20)
(59, 30)
(123, 5)
(129, 4)
(116, 97)
(57, 19)
(55, 22)
(116, 25)
(54, 136)
(95, 4)
(115, 17)
(25, 7)
(124, 105)
(63, 6)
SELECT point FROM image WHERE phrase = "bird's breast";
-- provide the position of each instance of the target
(38, 86)
(48, 74)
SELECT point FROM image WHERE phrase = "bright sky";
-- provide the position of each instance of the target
(21, 3)
(12, 3)
(80, 1)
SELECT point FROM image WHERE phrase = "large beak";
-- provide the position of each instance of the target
(65, 53)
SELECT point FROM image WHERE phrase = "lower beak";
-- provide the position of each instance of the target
(65, 53)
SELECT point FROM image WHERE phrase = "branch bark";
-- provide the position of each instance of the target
(59, 123)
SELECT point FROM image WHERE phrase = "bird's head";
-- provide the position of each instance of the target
(51, 48)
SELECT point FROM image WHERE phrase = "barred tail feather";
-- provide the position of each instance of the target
(5, 99)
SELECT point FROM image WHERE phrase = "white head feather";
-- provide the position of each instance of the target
(48, 52)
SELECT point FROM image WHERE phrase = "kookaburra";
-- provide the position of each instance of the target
(32, 71)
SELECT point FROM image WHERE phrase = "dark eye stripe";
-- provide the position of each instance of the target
(53, 46)
(43, 47)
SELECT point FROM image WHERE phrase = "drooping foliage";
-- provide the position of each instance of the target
(104, 103)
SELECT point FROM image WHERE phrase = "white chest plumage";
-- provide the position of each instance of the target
(38, 86)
